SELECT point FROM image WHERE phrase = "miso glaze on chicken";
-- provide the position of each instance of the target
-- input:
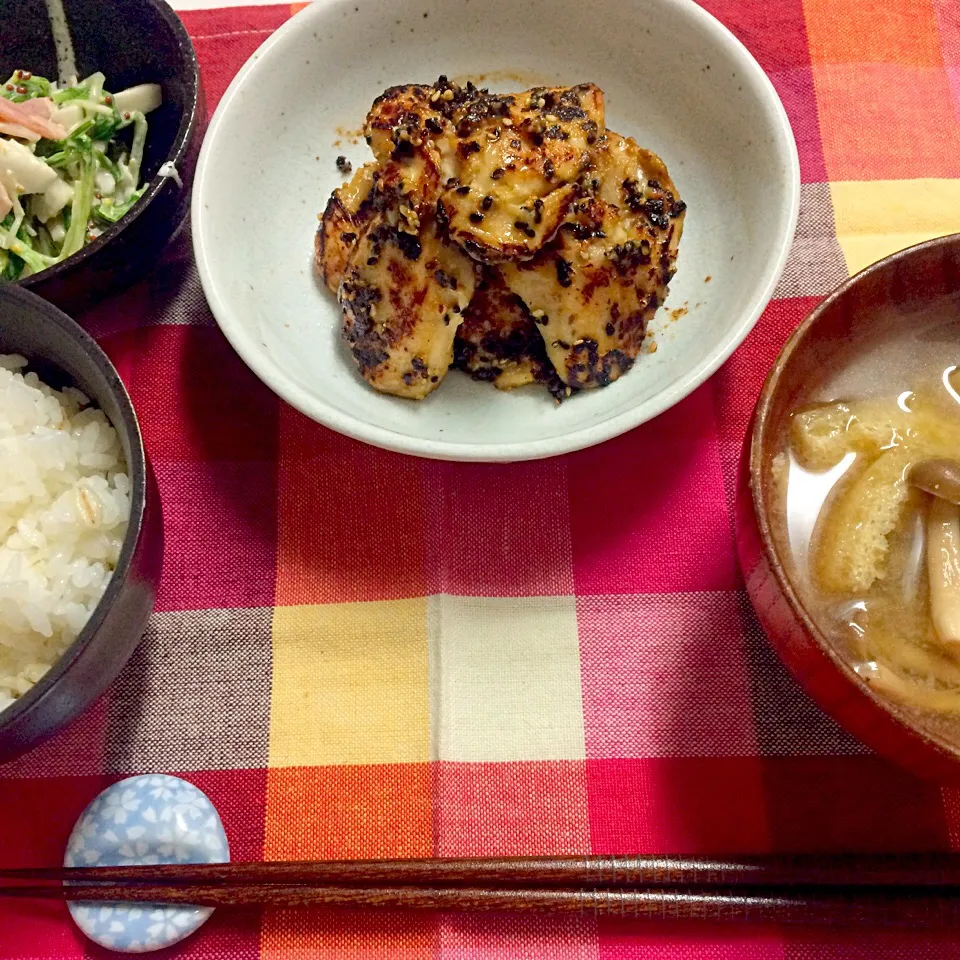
(510, 235)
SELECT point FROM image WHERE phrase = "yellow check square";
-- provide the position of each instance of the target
(876, 218)
(350, 684)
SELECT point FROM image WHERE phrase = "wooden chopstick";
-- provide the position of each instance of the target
(809, 907)
(884, 890)
(901, 871)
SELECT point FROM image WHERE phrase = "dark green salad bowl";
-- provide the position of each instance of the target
(130, 42)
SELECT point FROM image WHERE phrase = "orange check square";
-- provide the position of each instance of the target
(331, 934)
(851, 31)
(883, 122)
(348, 813)
(352, 519)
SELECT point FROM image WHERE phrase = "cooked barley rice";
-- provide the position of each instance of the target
(64, 507)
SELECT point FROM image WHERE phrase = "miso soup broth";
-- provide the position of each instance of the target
(864, 544)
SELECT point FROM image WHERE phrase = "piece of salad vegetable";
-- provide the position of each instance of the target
(70, 161)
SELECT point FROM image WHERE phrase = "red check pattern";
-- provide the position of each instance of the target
(357, 654)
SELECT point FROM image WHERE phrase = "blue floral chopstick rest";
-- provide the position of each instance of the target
(149, 819)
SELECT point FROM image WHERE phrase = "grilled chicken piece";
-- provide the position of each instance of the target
(351, 209)
(518, 160)
(345, 221)
(402, 297)
(403, 128)
(504, 166)
(397, 122)
(498, 341)
(595, 287)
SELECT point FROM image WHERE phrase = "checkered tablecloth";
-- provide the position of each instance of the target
(358, 654)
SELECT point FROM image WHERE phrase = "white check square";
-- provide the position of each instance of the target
(505, 678)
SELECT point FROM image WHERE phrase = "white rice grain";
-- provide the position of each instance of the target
(64, 508)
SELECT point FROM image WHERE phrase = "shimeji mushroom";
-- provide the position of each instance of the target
(942, 479)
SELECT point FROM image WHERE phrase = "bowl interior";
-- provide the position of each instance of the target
(133, 43)
(142, 41)
(842, 352)
(62, 354)
(675, 80)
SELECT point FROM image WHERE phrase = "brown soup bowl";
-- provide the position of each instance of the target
(920, 278)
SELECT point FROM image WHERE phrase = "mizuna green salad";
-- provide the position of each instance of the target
(70, 159)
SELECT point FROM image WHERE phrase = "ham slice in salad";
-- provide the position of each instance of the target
(30, 120)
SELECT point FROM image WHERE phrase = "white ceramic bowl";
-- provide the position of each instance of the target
(675, 79)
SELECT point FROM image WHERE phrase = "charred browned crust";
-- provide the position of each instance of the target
(345, 220)
(577, 230)
(498, 341)
(403, 296)
(599, 282)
